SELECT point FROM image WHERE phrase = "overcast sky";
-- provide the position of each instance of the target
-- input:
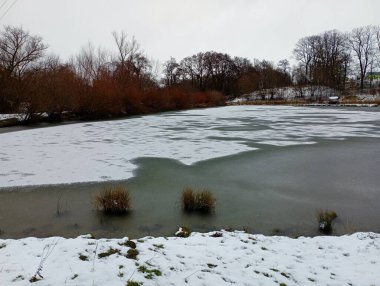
(263, 29)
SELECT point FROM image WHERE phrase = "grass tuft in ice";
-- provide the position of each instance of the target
(202, 201)
(325, 219)
(188, 199)
(113, 200)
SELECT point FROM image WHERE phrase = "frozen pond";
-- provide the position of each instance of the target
(103, 151)
(270, 168)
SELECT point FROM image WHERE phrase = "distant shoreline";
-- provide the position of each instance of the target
(307, 104)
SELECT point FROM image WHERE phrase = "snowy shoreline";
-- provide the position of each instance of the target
(201, 259)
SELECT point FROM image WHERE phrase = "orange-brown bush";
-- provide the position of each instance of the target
(202, 201)
(113, 200)
(188, 199)
(205, 201)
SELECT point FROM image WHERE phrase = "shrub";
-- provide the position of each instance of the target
(325, 219)
(188, 199)
(113, 200)
(205, 201)
(202, 201)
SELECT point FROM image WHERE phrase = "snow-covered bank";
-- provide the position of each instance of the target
(102, 151)
(234, 258)
(9, 116)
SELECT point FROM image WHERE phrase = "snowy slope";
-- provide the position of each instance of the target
(8, 116)
(236, 258)
(101, 151)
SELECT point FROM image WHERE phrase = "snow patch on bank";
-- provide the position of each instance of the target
(102, 151)
(235, 258)
(10, 116)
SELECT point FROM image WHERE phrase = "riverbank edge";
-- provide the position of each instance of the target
(213, 258)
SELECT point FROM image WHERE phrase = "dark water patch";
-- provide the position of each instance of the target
(271, 190)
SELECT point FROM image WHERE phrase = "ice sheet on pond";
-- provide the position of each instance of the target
(101, 151)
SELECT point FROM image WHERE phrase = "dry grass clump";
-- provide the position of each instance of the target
(325, 219)
(113, 200)
(188, 199)
(202, 201)
(205, 201)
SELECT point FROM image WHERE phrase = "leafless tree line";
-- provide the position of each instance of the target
(98, 83)
(231, 76)
(94, 83)
(331, 57)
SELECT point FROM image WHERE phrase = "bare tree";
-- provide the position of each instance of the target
(89, 63)
(284, 66)
(126, 49)
(305, 53)
(362, 43)
(171, 73)
(377, 31)
(19, 50)
(324, 59)
(19, 54)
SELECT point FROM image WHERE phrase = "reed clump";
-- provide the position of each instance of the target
(202, 201)
(114, 200)
(325, 219)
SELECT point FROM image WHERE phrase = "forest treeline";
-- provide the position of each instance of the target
(97, 83)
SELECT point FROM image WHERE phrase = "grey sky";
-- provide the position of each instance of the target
(263, 29)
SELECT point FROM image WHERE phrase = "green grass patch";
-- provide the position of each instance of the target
(132, 253)
(133, 283)
(128, 243)
(149, 273)
(109, 252)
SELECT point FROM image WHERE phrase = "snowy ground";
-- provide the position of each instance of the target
(101, 151)
(8, 116)
(321, 92)
(236, 258)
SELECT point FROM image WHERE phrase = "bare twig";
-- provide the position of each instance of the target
(47, 251)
